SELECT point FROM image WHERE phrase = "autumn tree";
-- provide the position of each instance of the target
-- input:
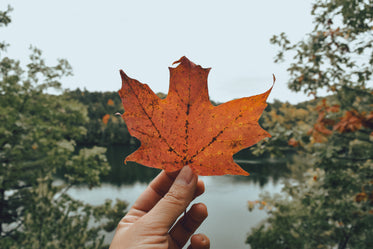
(329, 204)
(37, 138)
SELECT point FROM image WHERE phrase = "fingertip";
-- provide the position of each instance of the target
(172, 175)
(186, 177)
(200, 241)
(199, 209)
(200, 188)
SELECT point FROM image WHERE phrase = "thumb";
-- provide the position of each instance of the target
(174, 203)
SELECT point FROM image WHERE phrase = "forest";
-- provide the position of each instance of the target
(327, 202)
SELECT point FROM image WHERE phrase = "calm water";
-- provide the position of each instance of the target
(226, 197)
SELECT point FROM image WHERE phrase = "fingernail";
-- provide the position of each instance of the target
(202, 238)
(185, 176)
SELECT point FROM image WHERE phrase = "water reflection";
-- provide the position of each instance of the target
(261, 169)
(126, 174)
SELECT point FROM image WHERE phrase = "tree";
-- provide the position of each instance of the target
(38, 133)
(105, 128)
(330, 203)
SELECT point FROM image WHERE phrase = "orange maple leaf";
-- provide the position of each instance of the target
(350, 122)
(105, 118)
(110, 102)
(185, 128)
(293, 142)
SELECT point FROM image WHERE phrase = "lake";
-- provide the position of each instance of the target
(226, 197)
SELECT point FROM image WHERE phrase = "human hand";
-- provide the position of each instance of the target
(150, 221)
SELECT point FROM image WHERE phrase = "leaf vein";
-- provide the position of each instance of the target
(153, 124)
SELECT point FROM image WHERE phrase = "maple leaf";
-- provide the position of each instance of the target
(293, 142)
(185, 128)
(110, 102)
(105, 118)
(350, 122)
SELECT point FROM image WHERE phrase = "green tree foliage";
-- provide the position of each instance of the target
(38, 134)
(329, 201)
(106, 126)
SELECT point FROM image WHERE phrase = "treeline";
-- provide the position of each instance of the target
(105, 126)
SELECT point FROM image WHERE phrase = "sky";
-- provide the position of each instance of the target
(144, 38)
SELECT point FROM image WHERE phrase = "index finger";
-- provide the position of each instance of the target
(155, 191)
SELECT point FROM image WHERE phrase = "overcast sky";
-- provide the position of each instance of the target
(144, 38)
